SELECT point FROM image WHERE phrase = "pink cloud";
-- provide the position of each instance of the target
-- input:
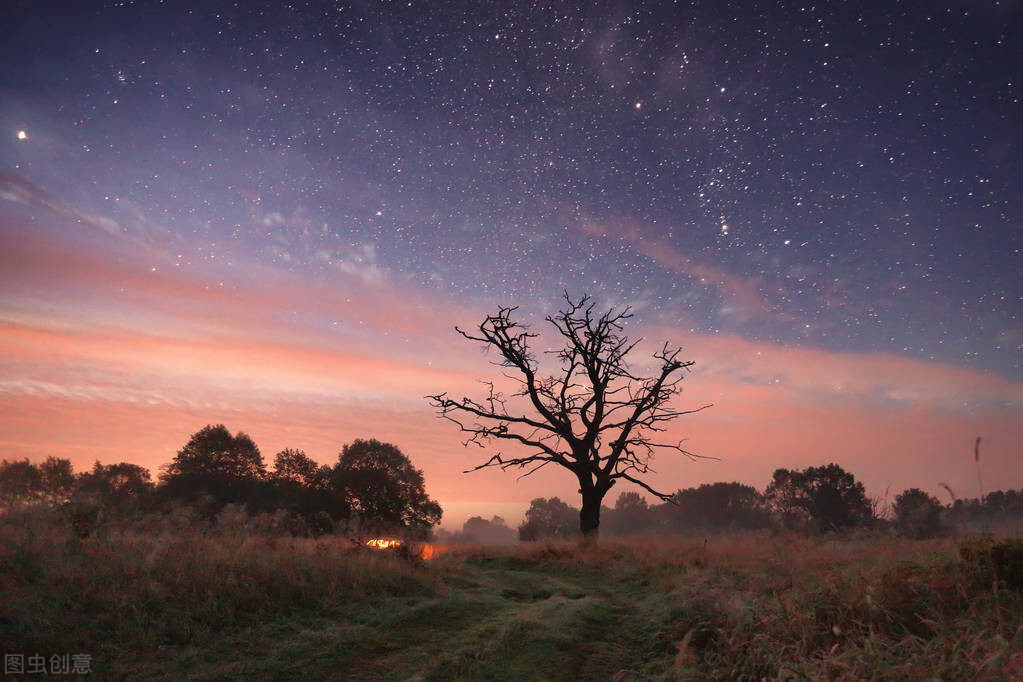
(91, 289)
(121, 363)
(813, 374)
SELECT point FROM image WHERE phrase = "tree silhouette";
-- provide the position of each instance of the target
(631, 514)
(58, 478)
(301, 485)
(120, 486)
(296, 467)
(479, 530)
(20, 482)
(917, 514)
(594, 417)
(826, 496)
(548, 519)
(716, 506)
(215, 463)
(383, 490)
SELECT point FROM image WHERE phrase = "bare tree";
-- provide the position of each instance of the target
(594, 417)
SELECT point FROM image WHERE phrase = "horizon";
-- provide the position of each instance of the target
(274, 220)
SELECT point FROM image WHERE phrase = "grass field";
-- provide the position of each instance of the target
(175, 604)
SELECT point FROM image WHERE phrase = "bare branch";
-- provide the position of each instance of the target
(593, 416)
(641, 484)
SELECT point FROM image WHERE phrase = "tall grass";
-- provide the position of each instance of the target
(797, 607)
(730, 607)
(173, 585)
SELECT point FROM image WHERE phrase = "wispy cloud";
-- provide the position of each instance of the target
(20, 190)
(815, 375)
(361, 262)
(297, 237)
(119, 365)
(95, 288)
(743, 293)
(114, 361)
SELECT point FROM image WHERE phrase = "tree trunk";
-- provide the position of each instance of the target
(589, 515)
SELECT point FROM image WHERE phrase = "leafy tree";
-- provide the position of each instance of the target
(1003, 504)
(917, 514)
(631, 503)
(717, 506)
(21, 482)
(548, 519)
(493, 532)
(216, 464)
(121, 486)
(827, 497)
(965, 511)
(297, 467)
(58, 478)
(1013, 502)
(593, 417)
(383, 491)
(631, 514)
(298, 483)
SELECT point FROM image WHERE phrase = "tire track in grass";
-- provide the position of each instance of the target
(571, 625)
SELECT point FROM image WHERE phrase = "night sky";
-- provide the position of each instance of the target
(273, 214)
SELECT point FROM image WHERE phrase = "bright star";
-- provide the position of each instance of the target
(22, 135)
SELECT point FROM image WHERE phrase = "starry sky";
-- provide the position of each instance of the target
(272, 215)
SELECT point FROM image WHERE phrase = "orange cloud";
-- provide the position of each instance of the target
(81, 288)
(100, 360)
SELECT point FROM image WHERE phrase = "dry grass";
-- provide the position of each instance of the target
(797, 607)
(172, 586)
(172, 602)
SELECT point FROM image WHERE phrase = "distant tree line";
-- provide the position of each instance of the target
(372, 488)
(480, 531)
(817, 499)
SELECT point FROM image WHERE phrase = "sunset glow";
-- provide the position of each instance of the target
(277, 228)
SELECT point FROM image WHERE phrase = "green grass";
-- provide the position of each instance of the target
(175, 604)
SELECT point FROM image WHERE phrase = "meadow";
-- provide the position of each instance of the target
(162, 600)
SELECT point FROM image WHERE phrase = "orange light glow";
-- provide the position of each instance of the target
(129, 362)
(426, 552)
